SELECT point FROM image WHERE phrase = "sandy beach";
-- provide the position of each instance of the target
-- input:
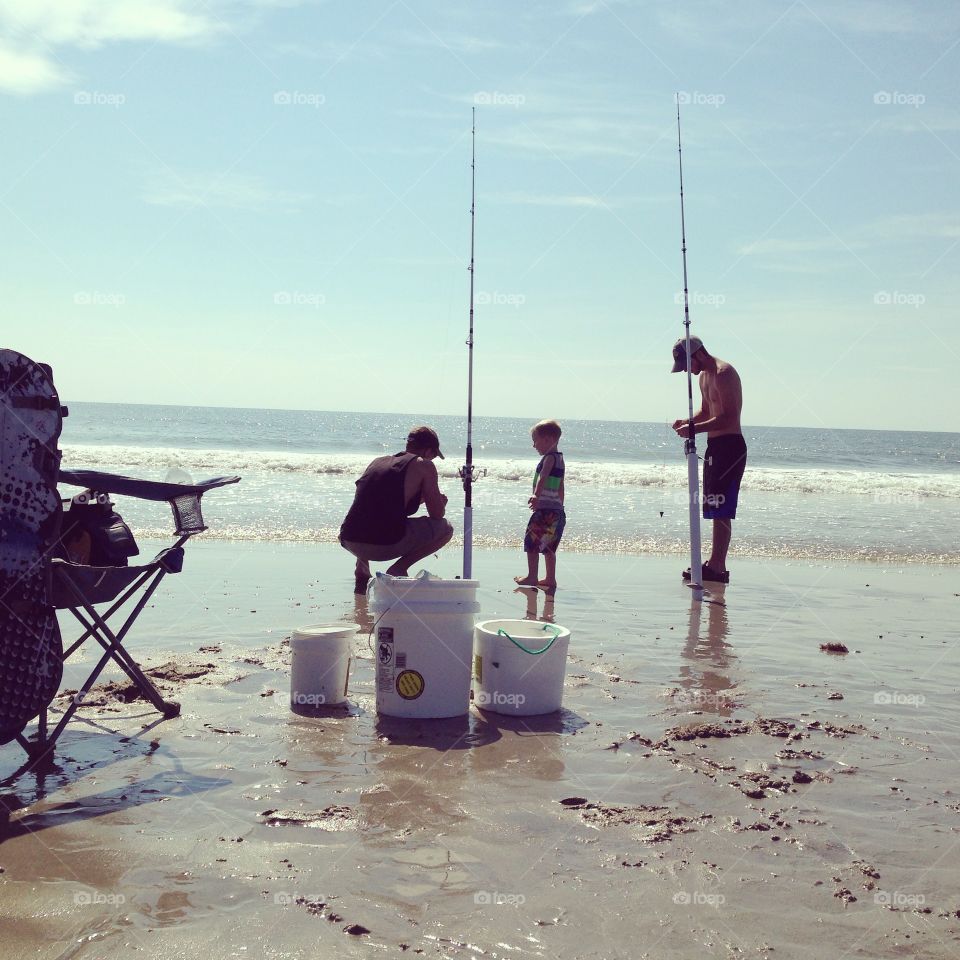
(716, 785)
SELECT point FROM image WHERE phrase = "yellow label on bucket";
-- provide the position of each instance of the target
(478, 667)
(409, 684)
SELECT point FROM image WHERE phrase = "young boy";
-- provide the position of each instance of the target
(545, 527)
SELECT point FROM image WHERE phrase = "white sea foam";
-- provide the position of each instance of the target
(153, 462)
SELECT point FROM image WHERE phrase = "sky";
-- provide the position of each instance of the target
(266, 203)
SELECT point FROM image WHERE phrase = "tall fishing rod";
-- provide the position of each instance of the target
(467, 471)
(690, 444)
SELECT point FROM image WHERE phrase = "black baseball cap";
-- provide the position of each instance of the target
(426, 439)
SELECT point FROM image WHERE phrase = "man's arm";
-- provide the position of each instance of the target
(433, 499)
(698, 417)
(704, 413)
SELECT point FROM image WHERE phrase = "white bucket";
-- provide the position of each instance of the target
(320, 665)
(423, 643)
(519, 666)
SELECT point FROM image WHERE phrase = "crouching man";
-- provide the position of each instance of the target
(380, 524)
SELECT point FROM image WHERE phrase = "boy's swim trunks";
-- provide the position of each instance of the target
(723, 464)
(544, 530)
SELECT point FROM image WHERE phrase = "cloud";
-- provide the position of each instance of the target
(26, 73)
(880, 16)
(565, 200)
(809, 254)
(454, 42)
(775, 246)
(583, 134)
(915, 226)
(551, 200)
(168, 188)
(91, 23)
(34, 30)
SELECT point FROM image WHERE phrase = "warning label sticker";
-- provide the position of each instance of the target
(409, 684)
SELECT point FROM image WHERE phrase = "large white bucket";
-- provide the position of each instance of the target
(519, 666)
(423, 636)
(320, 665)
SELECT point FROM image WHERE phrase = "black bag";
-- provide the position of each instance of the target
(93, 534)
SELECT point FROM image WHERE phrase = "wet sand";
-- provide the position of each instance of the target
(717, 784)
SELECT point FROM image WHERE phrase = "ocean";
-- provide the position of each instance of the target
(887, 496)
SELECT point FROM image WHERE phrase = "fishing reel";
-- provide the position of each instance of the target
(470, 474)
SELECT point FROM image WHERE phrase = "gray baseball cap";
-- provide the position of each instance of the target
(680, 352)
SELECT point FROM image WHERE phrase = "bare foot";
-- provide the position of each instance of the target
(399, 572)
(547, 584)
(525, 581)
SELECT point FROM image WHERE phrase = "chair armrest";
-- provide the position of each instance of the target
(141, 489)
(184, 498)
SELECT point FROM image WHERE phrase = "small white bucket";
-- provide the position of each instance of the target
(519, 666)
(320, 665)
(423, 643)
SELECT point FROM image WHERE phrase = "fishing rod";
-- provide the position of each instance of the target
(467, 471)
(690, 443)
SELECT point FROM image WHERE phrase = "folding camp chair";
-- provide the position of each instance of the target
(74, 561)
(80, 587)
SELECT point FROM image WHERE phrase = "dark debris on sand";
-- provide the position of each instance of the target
(662, 822)
(833, 647)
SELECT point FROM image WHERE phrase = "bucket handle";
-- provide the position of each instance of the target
(503, 633)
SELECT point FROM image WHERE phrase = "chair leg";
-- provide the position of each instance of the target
(39, 750)
(113, 644)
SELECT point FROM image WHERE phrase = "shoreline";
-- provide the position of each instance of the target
(701, 770)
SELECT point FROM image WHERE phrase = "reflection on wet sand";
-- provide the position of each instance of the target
(532, 597)
(417, 791)
(704, 681)
(362, 615)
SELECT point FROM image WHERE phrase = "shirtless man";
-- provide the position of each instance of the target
(726, 454)
(379, 525)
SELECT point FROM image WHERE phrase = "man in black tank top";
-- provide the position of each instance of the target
(380, 525)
